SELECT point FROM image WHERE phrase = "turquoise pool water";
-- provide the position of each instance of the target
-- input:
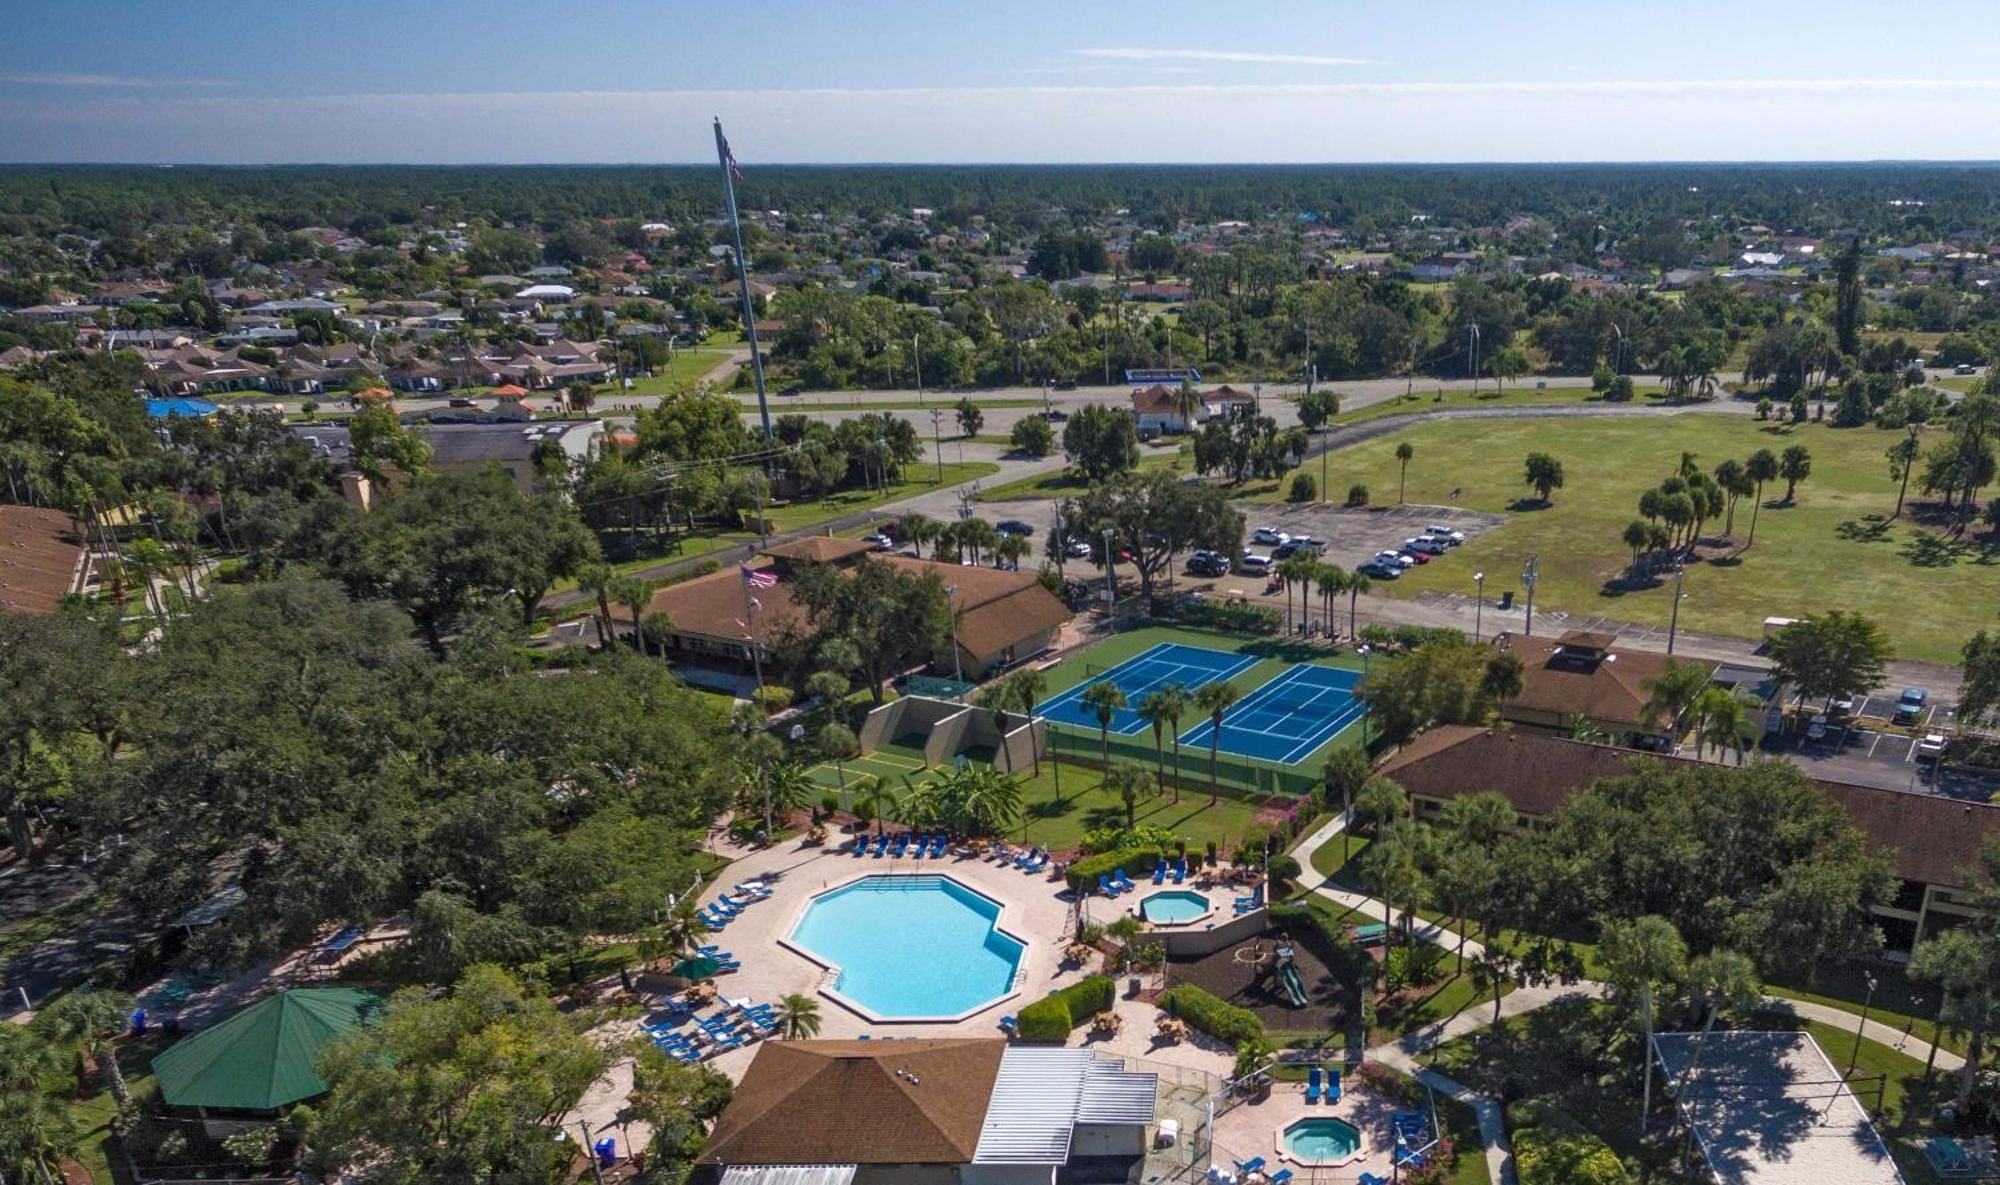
(1180, 905)
(1322, 1141)
(911, 946)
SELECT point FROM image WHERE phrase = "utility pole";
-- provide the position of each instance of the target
(1473, 331)
(1528, 580)
(726, 160)
(1479, 606)
(1674, 620)
(937, 438)
(917, 350)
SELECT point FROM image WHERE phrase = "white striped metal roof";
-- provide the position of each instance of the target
(1041, 1093)
(788, 1174)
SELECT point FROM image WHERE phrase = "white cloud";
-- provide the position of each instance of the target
(1138, 54)
(116, 81)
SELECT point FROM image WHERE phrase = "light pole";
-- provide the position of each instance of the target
(1528, 579)
(1674, 620)
(1479, 605)
(882, 459)
(1110, 582)
(957, 670)
(1866, 1000)
(916, 349)
(1474, 346)
(1364, 650)
(937, 438)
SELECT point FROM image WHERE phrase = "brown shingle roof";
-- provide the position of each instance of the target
(820, 549)
(1928, 838)
(40, 555)
(859, 1102)
(1604, 684)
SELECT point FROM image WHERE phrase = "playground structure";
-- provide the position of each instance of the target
(1288, 975)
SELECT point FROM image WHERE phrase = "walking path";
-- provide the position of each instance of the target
(1404, 1052)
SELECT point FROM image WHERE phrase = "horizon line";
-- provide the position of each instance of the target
(1739, 162)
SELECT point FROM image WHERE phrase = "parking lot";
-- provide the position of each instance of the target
(1354, 535)
(1865, 750)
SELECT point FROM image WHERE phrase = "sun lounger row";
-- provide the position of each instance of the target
(921, 847)
(1252, 903)
(1318, 1089)
(1178, 870)
(726, 908)
(1115, 884)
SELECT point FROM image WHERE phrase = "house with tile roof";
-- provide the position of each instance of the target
(1581, 677)
(927, 1111)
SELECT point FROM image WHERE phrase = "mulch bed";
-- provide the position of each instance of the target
(1255, 986)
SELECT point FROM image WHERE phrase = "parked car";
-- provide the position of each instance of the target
(879, 542)
(1965, 368)
(1910, 705)
(1816, 727)
(1395, 559)
(1286, 549)
(1269, 535)
(1254, 564)
(1415, 556)
(1014, 526)
(1931, 746)
(1077, 549)
(1308, 543)
(1440, 531)
(1207, 563)
(459, 401)
(1055, 416)
(1427, 545)
(791, 391)
(1380, 570)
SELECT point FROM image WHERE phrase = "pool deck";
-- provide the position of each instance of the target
(1258, 1129)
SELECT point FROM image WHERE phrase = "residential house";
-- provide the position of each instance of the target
(1578, 678)
(1436, 269)
(1930, 840)
(929, 1111)
(1159, 292)
(1225, 402)
(1158, 407)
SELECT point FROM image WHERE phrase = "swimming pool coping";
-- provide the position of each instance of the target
(1188, 924)
(1285, 1152)
(861, 1010)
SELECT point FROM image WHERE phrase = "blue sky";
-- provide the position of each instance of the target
(454, 81)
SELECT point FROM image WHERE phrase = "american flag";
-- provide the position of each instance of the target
(729, 155)
(758, 577)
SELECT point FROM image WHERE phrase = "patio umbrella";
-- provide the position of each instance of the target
(699, 968)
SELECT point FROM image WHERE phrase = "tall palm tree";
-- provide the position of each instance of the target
(917, 530)
(1107, 700)
(1672, 692)
(38, 1128)
(1357, 583)
(1343, 775)
(1153, 708)
(1722, 719)
(1297, 570)
(1215, 699)
(1404, 452)
(91, 1021)
(1027, 686)
(1380, 802)
(877, 801)
(1394, 866)
(1477, 819)
(634, 595)
(1723, 981)
(1175, 707)
(1640, 955)
(786, 789)
(797, 1017)
(1129, 783)
(1328, 580)
(1762, 466)
(596, 579)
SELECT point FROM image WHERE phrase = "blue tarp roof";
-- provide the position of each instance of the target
(166, 409)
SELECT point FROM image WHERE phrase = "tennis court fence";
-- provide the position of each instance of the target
(1236, 775)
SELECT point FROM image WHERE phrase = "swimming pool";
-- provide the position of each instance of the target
(1322, 1141)
(1174, 908)
(910, 947)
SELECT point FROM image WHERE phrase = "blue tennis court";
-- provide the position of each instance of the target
(1169, 662)
(1288, 718)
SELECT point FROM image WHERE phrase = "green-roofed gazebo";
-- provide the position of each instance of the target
(261, 1059)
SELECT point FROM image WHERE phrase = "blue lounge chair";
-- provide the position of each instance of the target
(1332, 1086)
(721, 906)
(1245, 1167)
(1105, 886)
(940, 844)
(1372, 1179)
(1180, 871)
(861, 845)
(1281, 1176)
(1022, 857)
(1008, 1023)
(709, 949)
(901, 845)
(881, 845)
(1160, 874)
(1312, 1085)
(1040, 862)
(1125, 884)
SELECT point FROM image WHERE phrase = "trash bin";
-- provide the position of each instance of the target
(1132, 988)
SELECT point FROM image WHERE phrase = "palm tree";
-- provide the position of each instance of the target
(1027, 686)
(1187, 403)
(1298, 569)
(1500, 679)
(1343, 775)
(1328, 581)
(91, 1021)
(1378, 801)
(917, 530)
(1215, 699)
(786, 789)
(635, 595)
(1761, 467)
(1107, 700)
(797, 1017)
(1721, 718)
(595, 579)
(1477, 819)
(37, 1128)
(1672, 692)
(1153, 707)
(1723, 981)
(877, 801)
(1404, 452)
(1641, 954)
(1794, 466)
(1174, 708)
(1394, 866)
(1130, 784)
(1357, 583)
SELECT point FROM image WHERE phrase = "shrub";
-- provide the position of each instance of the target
(231, 571)
(1212, 1014)
(773, 698)
(1419, 964)
(1285, 871)
(1087, 996)
(1033, 436)
(1219, 615)
(1357, 495)
(1136, 861)
(1550, 1156)
(1047, 1021)
(1620, 390)
(1302, 489)
(1764, 408)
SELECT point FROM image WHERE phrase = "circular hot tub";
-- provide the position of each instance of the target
(1322, 1140)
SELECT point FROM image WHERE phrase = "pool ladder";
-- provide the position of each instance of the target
(829, 979)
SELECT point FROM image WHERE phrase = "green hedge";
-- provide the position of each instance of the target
(1550, 1148)
(1088, 996)
(1212, 1014)
(1047, 1021)
(1136, 862)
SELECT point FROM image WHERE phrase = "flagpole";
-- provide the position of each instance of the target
(724, 161)
(750, 617)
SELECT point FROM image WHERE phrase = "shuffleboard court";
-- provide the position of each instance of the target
(1169, 662)
(1289, 718)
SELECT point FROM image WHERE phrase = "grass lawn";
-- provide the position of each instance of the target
(1419, 1008)
(817, 401)
(917, 479)
(31, 931)
(687, 368)
(1519, 395)
(1066, 482)
(1833, 549)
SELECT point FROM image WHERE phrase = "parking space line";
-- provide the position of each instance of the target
(1874, 744)
(1911, 755)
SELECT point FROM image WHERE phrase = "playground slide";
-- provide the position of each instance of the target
(1295, 988)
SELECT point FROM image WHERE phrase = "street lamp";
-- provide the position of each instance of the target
(1674, 621)
(1364, 650)
(1110, 582)
(1866, 1000)
(957, 670)
(1479, 606)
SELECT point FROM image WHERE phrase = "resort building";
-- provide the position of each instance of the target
(42, 559)
(1577, 678)
(952, 1111)
(1001, 618)
(1929, 840)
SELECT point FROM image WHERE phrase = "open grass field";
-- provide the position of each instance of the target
(917, 479)
(1834, 548)
(1067, 482)
(823, 401)
(1521, 394)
